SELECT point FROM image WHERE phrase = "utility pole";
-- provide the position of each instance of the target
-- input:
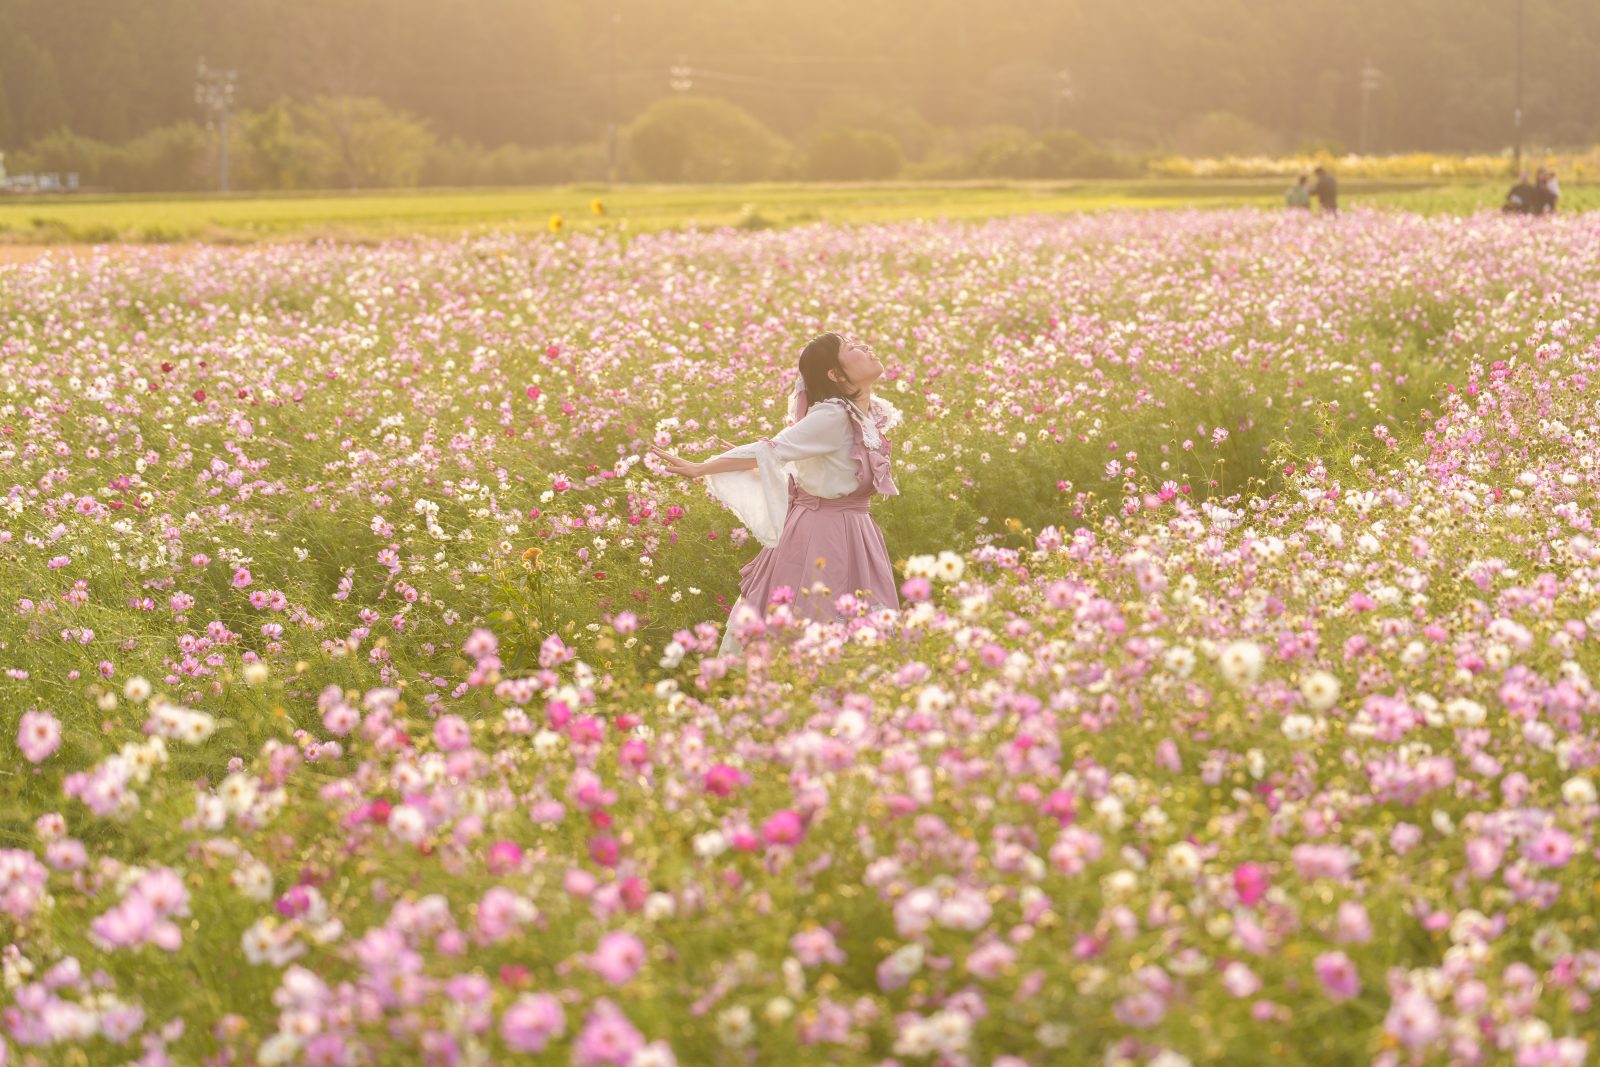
(611, 105)
(1371, 82)
(213, 91)
(680, 76)
(1516, 114)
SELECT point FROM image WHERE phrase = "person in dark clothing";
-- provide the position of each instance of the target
(1326, 190)
(1523, 197)
(1548, 192)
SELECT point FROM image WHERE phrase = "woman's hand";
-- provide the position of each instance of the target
(718, 442)
(675, 465)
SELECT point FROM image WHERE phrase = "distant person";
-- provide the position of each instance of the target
(1326, 190)
(1299, 194)
(1523, 197)
(1549, 191)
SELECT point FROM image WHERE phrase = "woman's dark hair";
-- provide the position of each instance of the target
(816, 360)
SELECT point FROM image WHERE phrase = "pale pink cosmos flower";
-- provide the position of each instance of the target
(451, 733)
(1338, 975)
(1353, 924)
(532, 1021)
(618, 957)
(1551, 847)
(815, 947)
(1239, 980)
(608, 1039)
(1414, 1020)
(38, 735)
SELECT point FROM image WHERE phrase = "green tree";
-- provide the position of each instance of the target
(359, 143)
(853, 155)
(700, 139)
(39, 106)
(1222, 133)
(273, 152)
(8, 127)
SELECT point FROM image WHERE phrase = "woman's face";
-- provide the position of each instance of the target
(861, 368)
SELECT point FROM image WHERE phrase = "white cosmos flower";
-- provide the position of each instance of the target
(735, 1027)
(1298, 728)
(1320, 689)
(1578, 791)
(408, 824)
(710, 844)
(1183, 860)
(949, 567)
(1179, 660)
(1463, 712)
(1240, 663)
(237, 792)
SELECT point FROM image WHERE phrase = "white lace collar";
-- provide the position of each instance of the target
(885, 416)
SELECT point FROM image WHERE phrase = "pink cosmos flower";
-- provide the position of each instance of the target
(783, 828)
(815, 947)
(1239, 980)
(608, 1039)
(1413, 1020)
(1338, 975)
(481, 644)
(38, 735)
(22, 882)
(67, 854)
(1551, 847)
(532, 1021)
(241, 578)
(1250, 881)
(721, 780)
(451, 733)
(618, 957)
(503, 857)
(1141, 1010)
(341, 718)
(1353, 924)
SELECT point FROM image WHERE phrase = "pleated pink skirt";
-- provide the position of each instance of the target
(827, 548)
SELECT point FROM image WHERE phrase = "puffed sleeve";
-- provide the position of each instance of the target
(760, 497)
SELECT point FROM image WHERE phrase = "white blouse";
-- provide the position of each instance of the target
(816, 451)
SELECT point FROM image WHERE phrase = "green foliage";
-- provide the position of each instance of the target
(272, 151)
(1058, 154)
(1222, 133)
(853, 155)
(167, 158)
(701, 139)
(859, 110)
(457, 163)
(542, 74)
(360, 143)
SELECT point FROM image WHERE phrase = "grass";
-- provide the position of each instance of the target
(378, 215)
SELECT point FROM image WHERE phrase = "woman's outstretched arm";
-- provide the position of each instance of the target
(691, 469)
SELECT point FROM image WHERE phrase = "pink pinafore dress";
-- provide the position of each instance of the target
(829, 547)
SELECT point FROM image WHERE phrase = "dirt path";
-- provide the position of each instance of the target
(21, 253)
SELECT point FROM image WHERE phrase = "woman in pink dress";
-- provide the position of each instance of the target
(804, 493)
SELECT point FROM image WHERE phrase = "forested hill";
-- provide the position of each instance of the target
(538, 72)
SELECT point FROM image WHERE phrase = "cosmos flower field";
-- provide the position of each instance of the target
(360, 700)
